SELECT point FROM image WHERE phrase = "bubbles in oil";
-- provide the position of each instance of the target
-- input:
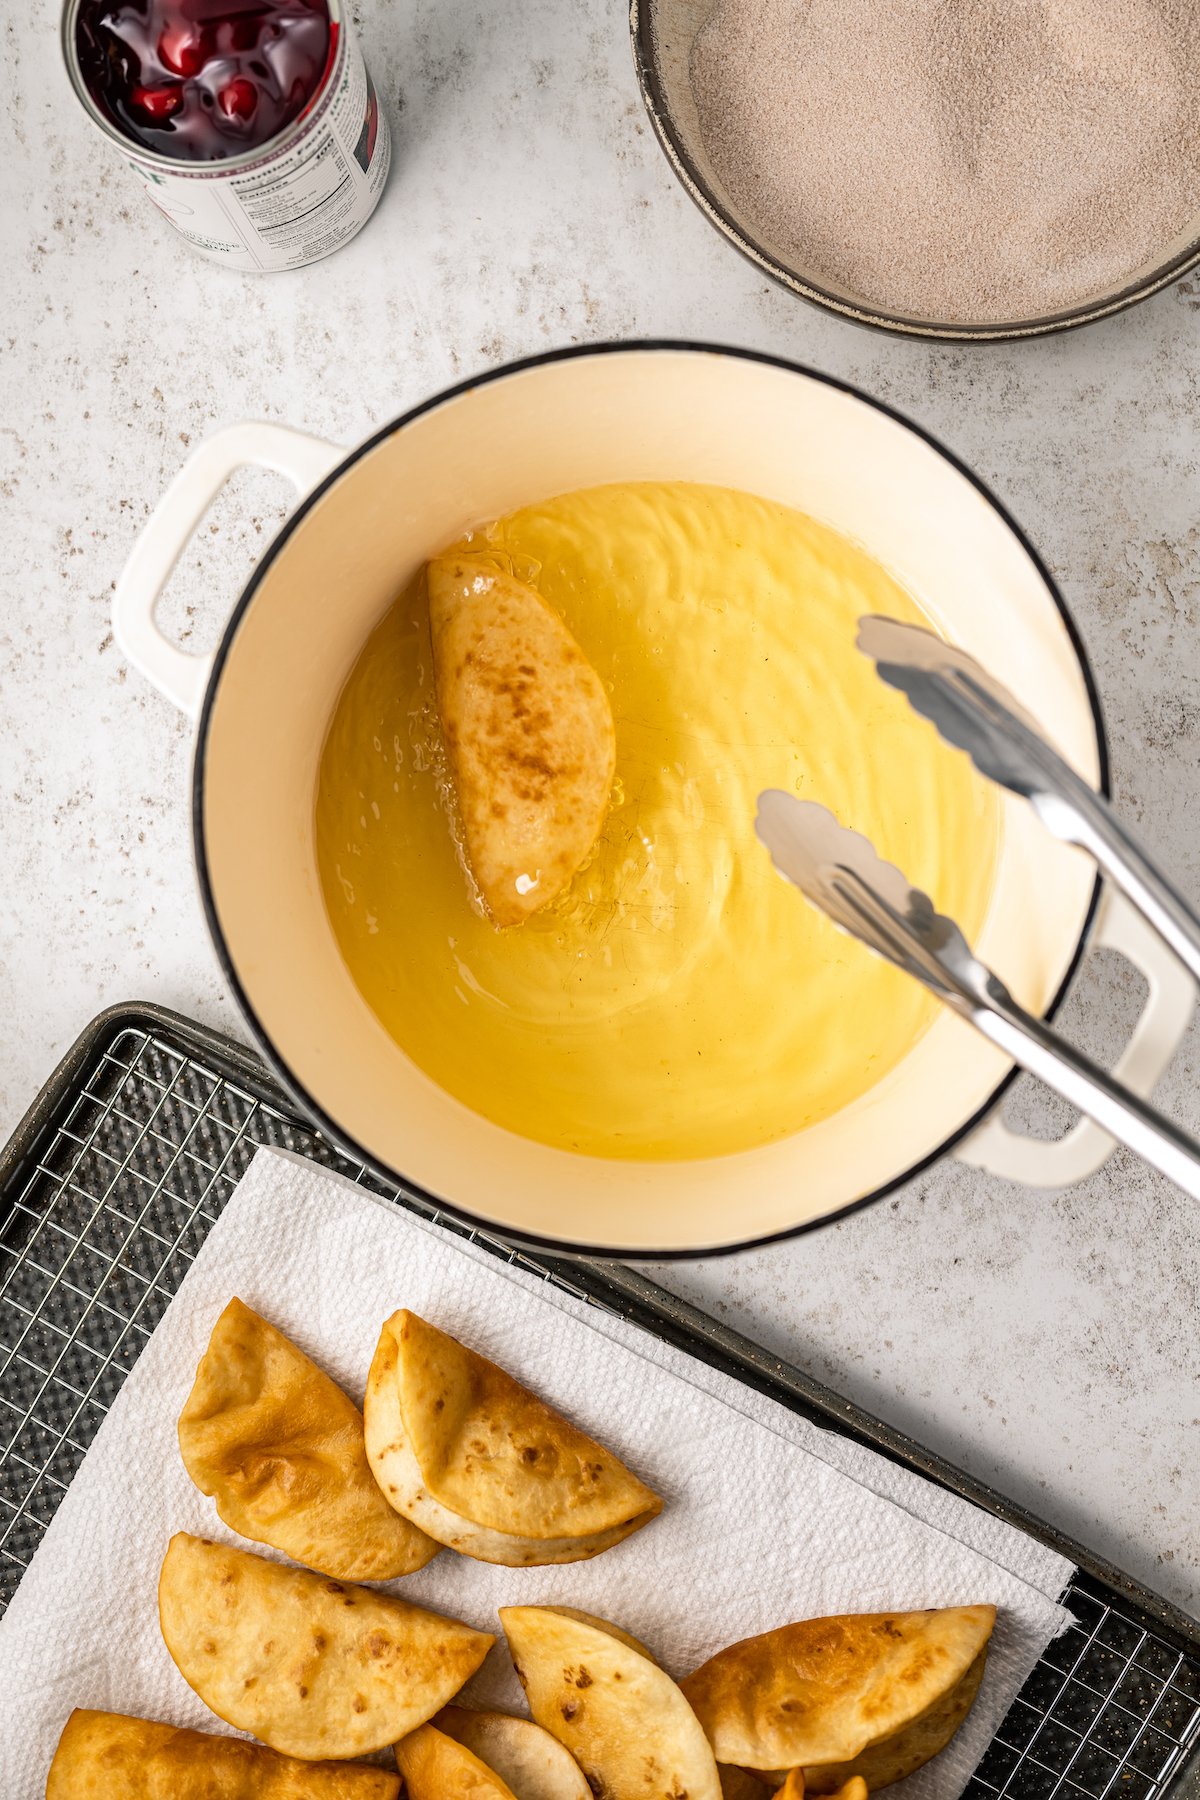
(489, 545)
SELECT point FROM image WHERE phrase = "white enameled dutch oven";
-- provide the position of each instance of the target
(367, 521)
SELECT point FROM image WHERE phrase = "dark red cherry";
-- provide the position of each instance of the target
(182, 48)
(158, 103)
(238, 98)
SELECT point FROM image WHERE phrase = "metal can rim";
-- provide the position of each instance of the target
(226, 165)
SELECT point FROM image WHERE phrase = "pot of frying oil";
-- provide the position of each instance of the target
(673, 1055)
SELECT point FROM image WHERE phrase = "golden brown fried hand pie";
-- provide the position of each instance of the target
(437, 1767)
(280, 1449)
(915, 1744)
(528, 732)
(870, 1694)
(524, 1755)
(471, 1457)
(615, 1631)
(107, 1756)
(794, 1788)
(313, 1667)
(622, 1717)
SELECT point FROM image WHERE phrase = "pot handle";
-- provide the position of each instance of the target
(177, 673)
(997, 1150)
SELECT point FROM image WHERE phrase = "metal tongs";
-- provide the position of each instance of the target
(843, 875)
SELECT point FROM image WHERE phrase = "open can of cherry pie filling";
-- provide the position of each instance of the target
(252, 124)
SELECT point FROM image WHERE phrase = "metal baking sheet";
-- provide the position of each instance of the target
(124, 1162)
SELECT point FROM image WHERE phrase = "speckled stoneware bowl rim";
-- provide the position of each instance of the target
(873, 317)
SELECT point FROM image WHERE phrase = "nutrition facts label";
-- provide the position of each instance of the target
(283, 209)
(295, 206)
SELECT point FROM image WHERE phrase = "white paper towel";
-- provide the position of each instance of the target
(766, 1519)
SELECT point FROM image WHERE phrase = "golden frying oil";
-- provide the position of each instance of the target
(680, 999)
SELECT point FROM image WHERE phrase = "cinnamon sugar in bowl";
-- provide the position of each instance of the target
(957, 169)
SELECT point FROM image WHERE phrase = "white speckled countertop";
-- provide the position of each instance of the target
(1048, 1343)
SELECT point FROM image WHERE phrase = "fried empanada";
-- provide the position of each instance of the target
(528, 731)
(622, 1718)
(313, 1667)
(108, 1756)
(795, 1787)
(524, 1755)
(869, 1694)
(438, 1767)
(471, 1457)
(280, 1449)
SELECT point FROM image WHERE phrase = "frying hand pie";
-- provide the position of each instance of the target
(528, 731)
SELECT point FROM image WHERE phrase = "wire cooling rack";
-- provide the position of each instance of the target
(109, 1188)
